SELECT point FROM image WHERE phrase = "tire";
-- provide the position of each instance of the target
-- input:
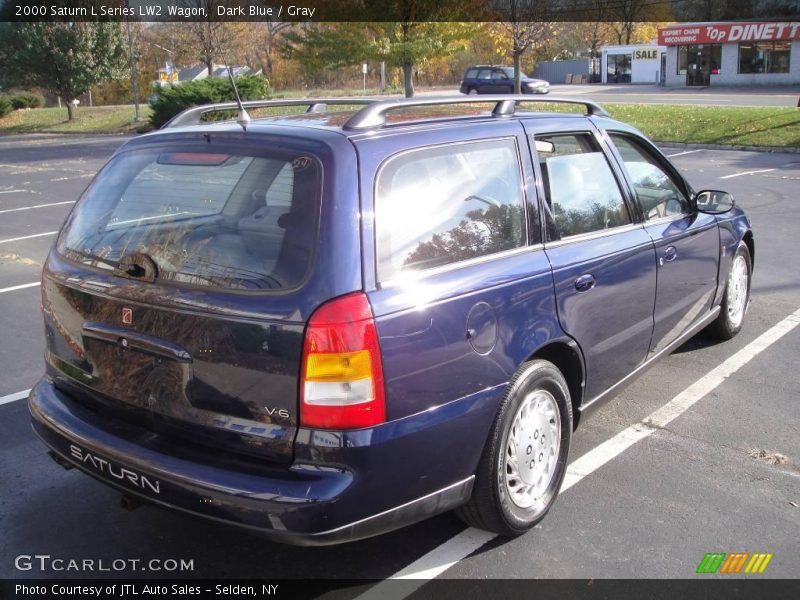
(472, 92)
(736, 297)
(509, 496)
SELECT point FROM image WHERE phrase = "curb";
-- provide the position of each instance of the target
(775, 149)
(70, 134)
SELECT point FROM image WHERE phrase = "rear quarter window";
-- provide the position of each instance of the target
(445, 204)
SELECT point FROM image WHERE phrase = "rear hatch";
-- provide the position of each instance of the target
(171, 299)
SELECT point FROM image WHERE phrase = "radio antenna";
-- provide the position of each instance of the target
(243, 119)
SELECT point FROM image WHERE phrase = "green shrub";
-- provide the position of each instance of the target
(5, 106)
(171, 100)
(26, 100)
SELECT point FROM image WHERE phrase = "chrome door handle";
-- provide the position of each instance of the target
(670, 254)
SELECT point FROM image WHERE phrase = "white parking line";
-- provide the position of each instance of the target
(28, 237)
(747, 173)
(19, 287)
(682, 153)
(8, 210)
(438, 560)
(14, 397)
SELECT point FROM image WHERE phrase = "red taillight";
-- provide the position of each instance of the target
(341, 376)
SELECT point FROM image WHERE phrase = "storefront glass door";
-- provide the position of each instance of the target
(698, 69)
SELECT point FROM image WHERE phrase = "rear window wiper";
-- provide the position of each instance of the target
(136, 265)
(93, 257)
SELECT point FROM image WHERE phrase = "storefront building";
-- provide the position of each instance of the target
(757, 53)
(631, 64)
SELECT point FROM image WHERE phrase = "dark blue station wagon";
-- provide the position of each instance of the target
(327, 325)
(496, 79)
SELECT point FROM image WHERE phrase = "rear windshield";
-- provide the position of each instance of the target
(200, 217)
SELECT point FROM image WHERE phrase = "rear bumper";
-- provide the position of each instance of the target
(304, 504)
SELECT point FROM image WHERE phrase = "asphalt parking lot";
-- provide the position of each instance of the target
(651, 508)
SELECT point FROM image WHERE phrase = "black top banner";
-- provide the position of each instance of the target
(397, 10)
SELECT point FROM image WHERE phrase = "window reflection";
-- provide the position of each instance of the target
(581, 189)
(445, 204)
(659, 196)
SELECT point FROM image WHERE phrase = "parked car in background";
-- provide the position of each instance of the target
(328, 325)
(492, 79)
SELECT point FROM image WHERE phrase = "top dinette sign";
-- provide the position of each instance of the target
(717, 33)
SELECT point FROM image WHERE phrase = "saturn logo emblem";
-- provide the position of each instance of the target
(127, 316)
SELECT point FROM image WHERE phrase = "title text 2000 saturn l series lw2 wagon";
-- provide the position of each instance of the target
(328, 325)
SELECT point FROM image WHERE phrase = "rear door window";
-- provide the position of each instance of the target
(220, 219)
(441, 205)
(580, 187)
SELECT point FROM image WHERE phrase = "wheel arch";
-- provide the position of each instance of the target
(567, 357)
(748, 239)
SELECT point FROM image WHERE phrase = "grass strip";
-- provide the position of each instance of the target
(98, 119)
(773, 127)
(727, 125)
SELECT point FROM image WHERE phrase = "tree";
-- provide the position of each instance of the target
(527, 25)
(272, 30)
(65, 59)
(627, 13)
(208, 39)
(410, 44)
(266, 45)
(404, 45)
(324, 47)
(731, 10)
(598, 33)
(700, 10)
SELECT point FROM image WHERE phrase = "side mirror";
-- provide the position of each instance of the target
(714, 202)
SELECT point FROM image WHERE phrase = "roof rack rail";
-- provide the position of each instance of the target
(193, 116)
(374, 114)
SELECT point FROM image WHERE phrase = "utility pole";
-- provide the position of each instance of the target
(134, 78)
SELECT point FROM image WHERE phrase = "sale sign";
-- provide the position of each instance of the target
(719, 33)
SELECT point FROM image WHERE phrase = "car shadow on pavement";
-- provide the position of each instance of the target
(699, 342)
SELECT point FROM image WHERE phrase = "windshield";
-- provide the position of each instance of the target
(223, 219)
